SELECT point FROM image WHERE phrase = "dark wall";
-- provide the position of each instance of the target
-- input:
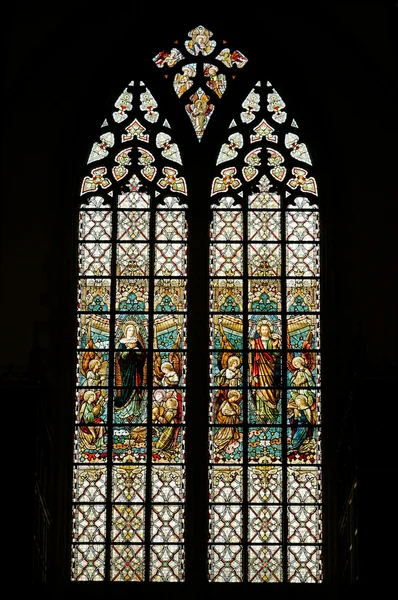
(335, 64)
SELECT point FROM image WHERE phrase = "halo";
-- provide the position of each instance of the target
(264, 322)
(168, 366)
(300, 359)
(234, 393)
(158, 391)
(236, 357)
(94, 360)
(129, 324)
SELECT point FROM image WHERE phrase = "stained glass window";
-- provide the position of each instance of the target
(263, 491)
(264, 411)
(129, 459)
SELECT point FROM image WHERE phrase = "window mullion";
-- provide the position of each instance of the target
(148, 483)
(284, 386)
(112, 327)
(197, 396)
(245, 392)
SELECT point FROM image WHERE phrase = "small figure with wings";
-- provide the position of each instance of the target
(216, 82)
(92, 428)
(130, 373)
(168, 58)
(166, 415)
(93, 366)
(168, 373)
(183, 81)
(167, 403)
(230, 374)
(228, 416)
(199, 111)
(302, 403)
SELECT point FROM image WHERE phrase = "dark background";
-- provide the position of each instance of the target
(335, 65)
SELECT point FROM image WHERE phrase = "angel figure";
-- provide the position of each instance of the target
(169, 58)
(168, 373)
(302, 404)
(167, 412)
(229, 58)
(216, 82)
(199, 112)
(230, 374)
(93, 366)
(228, 415)
(130, 373)
(167, 403)
(92, 428)
(183, 81)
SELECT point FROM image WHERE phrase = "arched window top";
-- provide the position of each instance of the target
(268, 155)
(146, 265)
(135, 150)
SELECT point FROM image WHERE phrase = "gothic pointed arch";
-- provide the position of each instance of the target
(264, 412)
(129, 471)
(138, 379)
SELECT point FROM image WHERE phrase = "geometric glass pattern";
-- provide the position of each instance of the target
(265, 508)
(129, 457)
(264, 400)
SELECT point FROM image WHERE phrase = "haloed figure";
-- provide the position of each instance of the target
(170, 377)
(129, 373)
(94, 377)
(228, 416)
(92, 428)
(229, 377)
(264, 363)
(301, 407)
(167, 412)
